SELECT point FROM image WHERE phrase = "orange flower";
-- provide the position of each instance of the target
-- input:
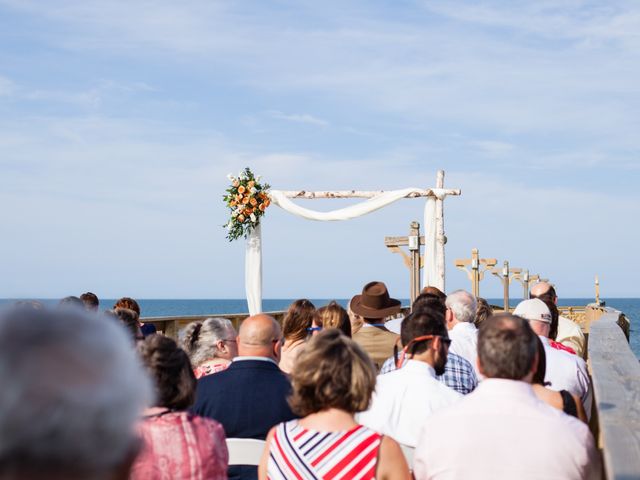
(253, 202)
(241, 218)
(267, 203)
(262, 207)
(233, 203)
(245, 200)
(238, 198)
(236, 183)
(248, 211)
(241, 189)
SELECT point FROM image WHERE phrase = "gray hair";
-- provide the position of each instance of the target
(463, 305)
(72, 391)
(199, 339)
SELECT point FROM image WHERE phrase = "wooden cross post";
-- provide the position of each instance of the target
(478, 268)
(506, 276)
(525, 279)
(414, 261)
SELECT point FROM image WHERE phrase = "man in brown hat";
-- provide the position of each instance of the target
(374, 305)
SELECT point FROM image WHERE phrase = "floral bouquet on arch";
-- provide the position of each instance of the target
(247, 200)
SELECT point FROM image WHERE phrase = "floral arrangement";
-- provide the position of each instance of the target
(247, 199)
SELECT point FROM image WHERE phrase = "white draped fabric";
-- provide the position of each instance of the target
(253, 255)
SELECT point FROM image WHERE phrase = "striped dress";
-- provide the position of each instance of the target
(298, 453)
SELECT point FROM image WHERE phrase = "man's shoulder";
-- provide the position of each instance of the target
(368, 332)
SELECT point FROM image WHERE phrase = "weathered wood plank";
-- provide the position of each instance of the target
(616, 380)
(359, 193)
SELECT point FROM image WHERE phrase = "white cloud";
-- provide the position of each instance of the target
(298, 118)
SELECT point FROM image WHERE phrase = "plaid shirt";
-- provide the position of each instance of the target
(458, 373)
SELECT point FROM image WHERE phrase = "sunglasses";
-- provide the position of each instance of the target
(314, 329)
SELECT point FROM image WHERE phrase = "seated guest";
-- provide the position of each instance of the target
(566, 331)
(433, 292)
(71, 302)
(564, 371)
(250, 396)
(461, 312)
(374, 305)
(90, 301)
(502, 430)
(295, 328)
(483, 311)
(129, 320)
(458, 372)
(332, 381)
(177, 444)
(131, 304)
(562, 400)
(211, 345)
(553, 329)
(403, 399)
(334, 316)
(72, 391)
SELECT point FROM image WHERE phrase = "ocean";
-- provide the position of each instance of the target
(166, 307)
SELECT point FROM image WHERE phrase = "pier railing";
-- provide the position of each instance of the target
(615, 373)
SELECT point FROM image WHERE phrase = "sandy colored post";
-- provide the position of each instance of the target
(414, 250)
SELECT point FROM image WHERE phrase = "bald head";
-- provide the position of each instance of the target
(259, 336)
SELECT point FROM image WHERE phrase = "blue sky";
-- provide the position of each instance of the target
(120, 120)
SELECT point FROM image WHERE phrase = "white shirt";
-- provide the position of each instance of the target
(566, 371)
(502, 430)
(464, 342)
(570, 334)
(403, 400)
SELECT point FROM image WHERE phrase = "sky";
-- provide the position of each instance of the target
(119, 122)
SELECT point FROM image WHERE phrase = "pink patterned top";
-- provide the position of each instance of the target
(208, 369)
(180, 445)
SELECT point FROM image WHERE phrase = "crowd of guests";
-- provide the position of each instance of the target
(452, 390)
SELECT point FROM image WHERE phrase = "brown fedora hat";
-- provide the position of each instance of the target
(374, 302)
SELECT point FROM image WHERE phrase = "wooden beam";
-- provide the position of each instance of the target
(359, 193)
(400, 241)
(616, 382)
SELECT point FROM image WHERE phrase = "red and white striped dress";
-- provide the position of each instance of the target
(302, 454)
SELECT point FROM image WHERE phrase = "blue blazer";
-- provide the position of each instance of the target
(248, 398)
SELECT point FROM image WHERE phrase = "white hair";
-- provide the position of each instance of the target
(72, 390)
(200, 339)
(463, 305)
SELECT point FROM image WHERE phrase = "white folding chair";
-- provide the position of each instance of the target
(408, 454)
(245, 451)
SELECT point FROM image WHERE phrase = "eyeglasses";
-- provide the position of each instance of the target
(412, 343)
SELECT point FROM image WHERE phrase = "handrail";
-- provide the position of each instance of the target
(616, 381)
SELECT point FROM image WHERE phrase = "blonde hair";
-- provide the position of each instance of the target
(332, 372)
(334, 316)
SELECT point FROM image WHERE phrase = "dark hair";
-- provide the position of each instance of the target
(434, 292)
(332, 372)
(423, 322)
(129, 319)
(170, 371)
(506, 347)
(427, 301)
(541, 371)
(130, 303)
(90, 299)
(70, 301)
(483, 311)
(298, 319)
(334, 316)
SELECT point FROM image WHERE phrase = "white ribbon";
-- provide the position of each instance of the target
(253, 254)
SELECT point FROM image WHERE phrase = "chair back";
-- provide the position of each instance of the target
(245, 451)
